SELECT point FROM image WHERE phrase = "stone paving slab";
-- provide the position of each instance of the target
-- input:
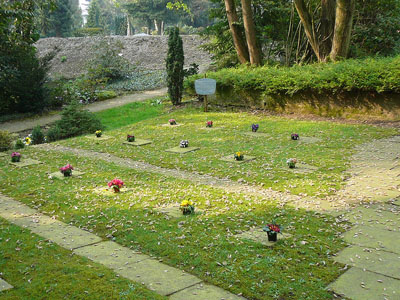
(163, 279)
(25, 162)
(204, 292)
(137, 142)
(67, 236)
(182, 150)
(373, 237)
(381, 262)
(95, 138)
(259, 236)
(357, 284)
(371, 217)
(231, 158)
(4, 285)
(61, 176)
(111, 254)
(11, 209)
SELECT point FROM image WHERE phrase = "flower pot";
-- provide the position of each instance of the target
(16, 159)
(186, 211)
(98, 135)
(116, 189)
(67, 173)
(131, 139)
(272, 236)
(292, 166)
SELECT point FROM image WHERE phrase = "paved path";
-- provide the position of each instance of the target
(161, 278)
(21, 125)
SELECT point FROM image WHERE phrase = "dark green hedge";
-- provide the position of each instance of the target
(371, 75)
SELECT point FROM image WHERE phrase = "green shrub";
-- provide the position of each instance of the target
(63, 59)
(6, 140)
(74, 121)
(371, 75)
(83, 32)
(37, 136)
(19, 144)
(104, 95)
(174, 66)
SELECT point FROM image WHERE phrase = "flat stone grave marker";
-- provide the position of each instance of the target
(308, 140)
(257, 134)
(3, 154)
(26, 162)
(259, 236)
(357, 284)
(106, 191)
(137, 142)
(174, 211)
(303, 168)
(102, 138)
(231, 158)
(169, 125)
(182, 150)
(4, 285)
(59, 175)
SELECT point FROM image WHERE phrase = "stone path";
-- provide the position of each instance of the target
(21, 125)
(374, 254)
(156, 276)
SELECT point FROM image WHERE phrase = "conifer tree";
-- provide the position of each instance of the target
(175, 61)
(94, 16)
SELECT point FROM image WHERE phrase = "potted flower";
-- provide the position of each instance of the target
(130, 138)
(291, 162)
(254, 127)
(172, 122)
(98, 133)
(28, 140)
(116, 185)
(187, 207)
(238, 156)
(16, 157)
(66, 170)
(295, 136)
(209, 124)
(272, 230)
(184, 144)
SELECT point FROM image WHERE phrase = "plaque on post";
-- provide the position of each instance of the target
(205, 87)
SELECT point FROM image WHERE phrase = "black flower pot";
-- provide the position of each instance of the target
(67, 173)
(272, 236)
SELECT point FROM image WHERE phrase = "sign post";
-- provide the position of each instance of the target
(205, 87)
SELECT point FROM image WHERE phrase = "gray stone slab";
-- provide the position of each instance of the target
(60, 233)
(162, 279)
(231, 158)
(61, 176)
(371, 217)
(4, 285)
(11, 209)
(259, 236)
(204, 291)
(95, 138)
(373, 237)
(357, 284)
(25, 162)
(182, 150)
(382, 262)
(137, 142)
(111, 254)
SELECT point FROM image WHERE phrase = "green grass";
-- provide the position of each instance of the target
(129, 114)
(330, 155)
(205, 244)
(39, 269)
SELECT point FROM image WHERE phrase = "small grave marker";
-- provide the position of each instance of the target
(26, 162)
(137, 142)
(59, 175)
(259, 236)
(230, 158)
(182, 150)
(205, 87)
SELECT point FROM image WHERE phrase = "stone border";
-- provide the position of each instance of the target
(180, 150)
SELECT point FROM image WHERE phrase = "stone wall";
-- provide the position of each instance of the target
(148, 52)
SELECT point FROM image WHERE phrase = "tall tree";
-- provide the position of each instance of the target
(94, 15)
(61, 18)
(250, 31)
(174, 65)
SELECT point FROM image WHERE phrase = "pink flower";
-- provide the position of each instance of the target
(116, 182)
(15, 154)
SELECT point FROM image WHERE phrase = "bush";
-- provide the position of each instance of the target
(104, 95)
(74, 121)
(19, 144)
(175, 73)
(37, 136)
(370, 75)
(83, 32)
(6, 140)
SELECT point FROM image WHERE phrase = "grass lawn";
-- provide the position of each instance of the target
(328, 148)
(39, 269)
(205, 244)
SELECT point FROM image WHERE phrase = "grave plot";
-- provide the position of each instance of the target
(231, 158)
(99, 139)
(26, 162)
(182, 150)
(259, 236)
(174, 211)
(137, 142)
(59, 175)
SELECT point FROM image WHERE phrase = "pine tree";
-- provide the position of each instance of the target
(175, 61)
(94, 16)
(61, 18)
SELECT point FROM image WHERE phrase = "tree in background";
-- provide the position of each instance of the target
(175, 62)
(61, 18)
(94, 15)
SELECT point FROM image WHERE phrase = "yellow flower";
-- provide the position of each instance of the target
(186, 203)
(98, 131)
(28, 140)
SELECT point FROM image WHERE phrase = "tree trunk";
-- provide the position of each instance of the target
(162, 27)
(343, 26)
(327, 27)
(238, 42)
(307, 22)
(157, 25)
(250, 31)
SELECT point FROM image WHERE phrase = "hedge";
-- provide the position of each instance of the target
(367, 75)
